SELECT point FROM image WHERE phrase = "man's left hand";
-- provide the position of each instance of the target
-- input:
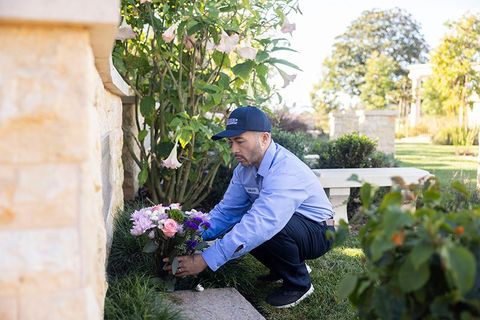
(188, 265)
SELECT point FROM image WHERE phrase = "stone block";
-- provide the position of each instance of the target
(229, 305)
(44, 260)
(44, 87)
(8, 308)
(62, 305)
(41, 196)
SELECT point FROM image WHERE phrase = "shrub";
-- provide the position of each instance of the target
(352, 151)
(457, 136)
(423, 259)
(299, 143)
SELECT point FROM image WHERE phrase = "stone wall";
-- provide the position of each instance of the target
(378, 125)
(61, 169)
(51, 226)
(109, 122)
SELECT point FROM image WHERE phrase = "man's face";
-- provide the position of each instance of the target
(249, 147)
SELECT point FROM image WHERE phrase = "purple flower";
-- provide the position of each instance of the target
(141, 222)
(191, 225)
(191, 244)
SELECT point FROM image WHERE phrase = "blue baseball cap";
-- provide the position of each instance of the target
(245, 119)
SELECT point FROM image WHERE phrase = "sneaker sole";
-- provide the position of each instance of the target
(293, 304)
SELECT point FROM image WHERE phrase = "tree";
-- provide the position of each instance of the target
(392, 33)
(376, 91)
(189, 63)
(456, 67)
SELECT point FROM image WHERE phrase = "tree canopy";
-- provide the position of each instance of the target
(456, 68)
(392, 34)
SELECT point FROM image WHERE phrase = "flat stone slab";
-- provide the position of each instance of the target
(214, 304)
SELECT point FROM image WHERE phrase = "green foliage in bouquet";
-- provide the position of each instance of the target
(422, 255)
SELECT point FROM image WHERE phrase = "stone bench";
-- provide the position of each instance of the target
(337, 181)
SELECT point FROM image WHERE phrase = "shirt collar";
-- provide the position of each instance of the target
(267, 159)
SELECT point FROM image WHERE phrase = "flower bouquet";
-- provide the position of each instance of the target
(169, 232)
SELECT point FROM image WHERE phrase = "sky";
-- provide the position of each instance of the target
(323, 20)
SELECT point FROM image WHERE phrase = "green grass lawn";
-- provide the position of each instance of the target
(439, 160)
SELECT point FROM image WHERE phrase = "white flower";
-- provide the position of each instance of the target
(210, 45)
(172, 162)
(175, 206)
(143, 1)
(288, 27)
(227, 43)
(247, 51)
(287, 78)
(125, 32)
(151, 234)
(169, 34)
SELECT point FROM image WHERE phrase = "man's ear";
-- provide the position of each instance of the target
(265, 137)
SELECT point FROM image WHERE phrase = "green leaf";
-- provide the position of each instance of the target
(284, 48)
(147, 108)
(431, 197)
(142, 134)
(392, 198)
(411, 279)
(174, 265)
(224, 80)
(142, 176)
(366, 194)
(243, 69)
(346, 286)
(460, 187)
(420, 254)
(461, 264)
(379, 246)
(275, 61)
(261, 56)
(150, 247)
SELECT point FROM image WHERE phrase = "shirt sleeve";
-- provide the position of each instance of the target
(279, 198)
(229, 211)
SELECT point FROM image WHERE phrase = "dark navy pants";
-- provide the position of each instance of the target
(285, 253)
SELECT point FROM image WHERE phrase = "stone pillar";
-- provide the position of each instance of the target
(52, 224)
(342, 122)
(50, 186)
(379, 125)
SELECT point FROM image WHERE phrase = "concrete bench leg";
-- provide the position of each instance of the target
(339, 199)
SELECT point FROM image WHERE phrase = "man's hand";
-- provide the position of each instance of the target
(188, 265)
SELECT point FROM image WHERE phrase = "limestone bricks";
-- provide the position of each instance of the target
(379, 125)
(52, 232)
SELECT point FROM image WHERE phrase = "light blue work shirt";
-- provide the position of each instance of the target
(259, 203)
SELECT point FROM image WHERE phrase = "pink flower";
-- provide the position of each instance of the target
(169, 228)
(143, 1)
(125, 32)
(189, 42)
(169, 34)
(172, 162)
(227, 43)
(247, 51)
(287, 78)
(288, 27)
